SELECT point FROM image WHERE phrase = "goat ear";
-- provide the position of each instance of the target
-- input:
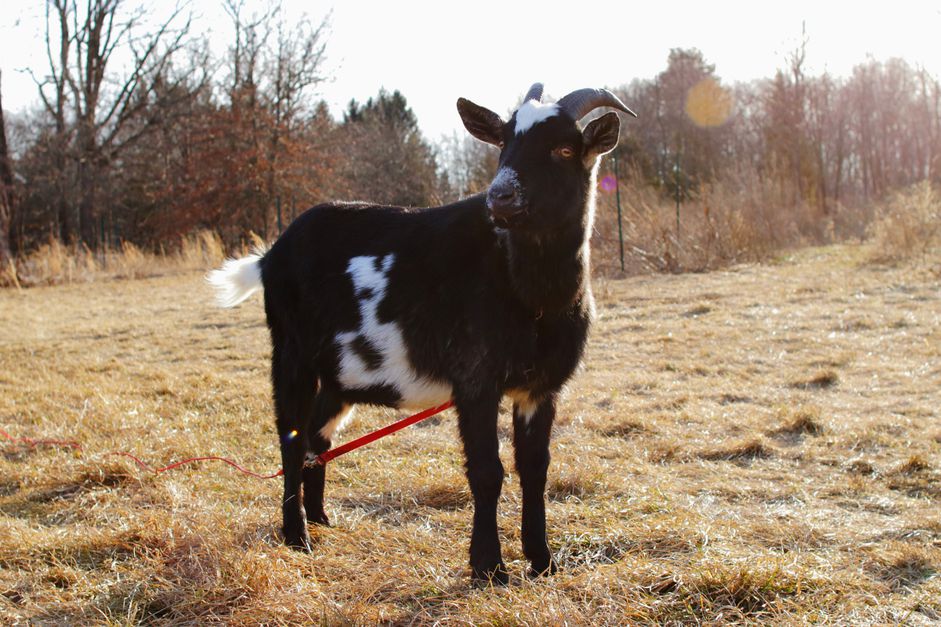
(601, 136)
(482, 123)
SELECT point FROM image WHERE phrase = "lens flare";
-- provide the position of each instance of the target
(708, 104)
(608, 183)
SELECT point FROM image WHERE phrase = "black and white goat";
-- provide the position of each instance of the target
(484, 298)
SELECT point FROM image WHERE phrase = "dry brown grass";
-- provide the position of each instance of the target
(55, 263)
(744, 219)
(909, 227)
(692, 480)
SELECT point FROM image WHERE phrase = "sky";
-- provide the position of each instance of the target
(491, 51)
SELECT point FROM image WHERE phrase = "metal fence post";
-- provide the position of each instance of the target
(617, 199)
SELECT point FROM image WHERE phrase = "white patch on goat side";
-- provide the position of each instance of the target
(336, 424)
(396, 371)
(532, 113)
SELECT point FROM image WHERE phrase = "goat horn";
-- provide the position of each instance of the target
(581, 102)
(534, 93)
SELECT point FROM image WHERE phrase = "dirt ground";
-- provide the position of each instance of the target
(756, 445)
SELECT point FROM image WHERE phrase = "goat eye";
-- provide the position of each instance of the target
(565, 152)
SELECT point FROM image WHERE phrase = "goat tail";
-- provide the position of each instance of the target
(236, 280)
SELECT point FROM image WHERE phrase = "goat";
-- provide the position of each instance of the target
(469, 302)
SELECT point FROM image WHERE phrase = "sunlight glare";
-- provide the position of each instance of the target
(708, 104)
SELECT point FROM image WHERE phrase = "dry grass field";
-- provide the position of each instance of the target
(755, 445)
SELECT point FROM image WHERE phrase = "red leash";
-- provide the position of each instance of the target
(34, 443)
(157, 471)
(333, 453)
(321, 459)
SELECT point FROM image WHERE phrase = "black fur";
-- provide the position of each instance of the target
(367, 352)
(483, 309)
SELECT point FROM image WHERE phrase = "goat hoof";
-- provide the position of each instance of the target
(318, 519)
(299, 542)
(543, 568)
(301, 546)
(494, 576)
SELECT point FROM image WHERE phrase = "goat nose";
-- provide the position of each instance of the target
(503, 193)
(502, 196)
(505, 197)
(505, 207)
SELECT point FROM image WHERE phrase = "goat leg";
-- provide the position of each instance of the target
(477, 421)
(532, 426)
(293, 401)
(327, 410)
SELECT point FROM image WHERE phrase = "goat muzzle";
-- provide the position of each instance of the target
(506, 206)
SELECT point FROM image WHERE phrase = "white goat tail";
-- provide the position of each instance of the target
(236, 280)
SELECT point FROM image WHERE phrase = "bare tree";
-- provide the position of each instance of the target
(56, 104)
(468, 163)
(295, 67)
(104, 112)
(6, 196)
(274, 68)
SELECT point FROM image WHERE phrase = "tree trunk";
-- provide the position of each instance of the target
(88, 179)
(6, 198)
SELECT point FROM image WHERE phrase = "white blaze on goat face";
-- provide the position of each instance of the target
(532, 113)
(370, 277)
